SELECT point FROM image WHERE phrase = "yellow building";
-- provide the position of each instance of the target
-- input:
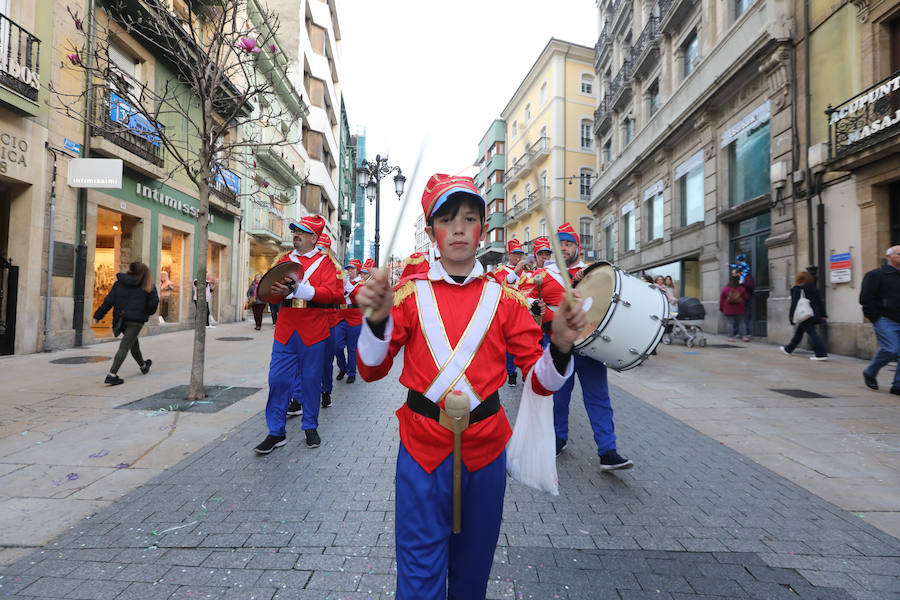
(550, 139)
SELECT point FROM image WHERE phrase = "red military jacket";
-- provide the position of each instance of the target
(502, 275)
(329, 289)
(353, 316)
(509, 326)
(551, 290)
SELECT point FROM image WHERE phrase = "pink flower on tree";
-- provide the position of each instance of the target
(248, 44)
(74, 58)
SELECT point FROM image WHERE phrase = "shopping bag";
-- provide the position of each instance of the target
(803, 310)
(531, 451)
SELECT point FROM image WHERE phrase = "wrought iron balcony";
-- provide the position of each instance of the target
(645, 47)
(263, 222)
(602, 48)
(866, 119)
(620, 88)
(20, 53)
(120, 123)
(602, 117)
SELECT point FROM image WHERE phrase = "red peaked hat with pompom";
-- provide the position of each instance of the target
(514, 245)
(541, 243)
(368, 265)
(324, 240)
(356, 264)
(312, 224)
(567, 233)
(440, 187)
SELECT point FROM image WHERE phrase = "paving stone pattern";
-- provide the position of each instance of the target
(692, 520)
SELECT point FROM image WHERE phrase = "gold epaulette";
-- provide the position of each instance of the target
(278, 258)
(404, 291)
(415, 259)
(337, 266)
(514, 294)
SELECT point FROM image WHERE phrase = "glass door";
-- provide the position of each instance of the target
(748, 238)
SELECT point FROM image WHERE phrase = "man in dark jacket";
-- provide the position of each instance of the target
(880, 299)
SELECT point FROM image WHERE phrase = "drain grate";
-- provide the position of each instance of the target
(172, 399)
(80, 360)
(234, 339)
(794, 393)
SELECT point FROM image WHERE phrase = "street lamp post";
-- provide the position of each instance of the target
(368, 176)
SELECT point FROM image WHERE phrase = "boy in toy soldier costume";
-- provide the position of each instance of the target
(300, 334)
(347, 330)
(456, 324)
(509, 274)
(591, 373)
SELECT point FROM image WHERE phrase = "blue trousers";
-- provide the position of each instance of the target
(887, 332)
(595, 390)
(510, 364)
(433, 563)
(328, 362)
(345, 338)
(288, 362)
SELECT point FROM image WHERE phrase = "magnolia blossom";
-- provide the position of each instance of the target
(74, 58)
(248, 44)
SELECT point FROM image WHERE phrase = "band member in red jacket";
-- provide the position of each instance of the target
(300, 334)
(346, 334)
(456, 324)
(509, 274)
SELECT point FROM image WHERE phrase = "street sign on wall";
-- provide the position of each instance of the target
(95, 173)
(840, 267)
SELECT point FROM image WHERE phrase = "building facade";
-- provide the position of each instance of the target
(550, 145)
(347, 189)
(696, 148)
(491, 165)
(358, 236)
(849, 64)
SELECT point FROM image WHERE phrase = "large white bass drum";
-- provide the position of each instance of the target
(625, 321)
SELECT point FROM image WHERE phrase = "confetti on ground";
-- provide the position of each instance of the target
(122, 466)
(689, 352)
(99, 454)
(72, 476)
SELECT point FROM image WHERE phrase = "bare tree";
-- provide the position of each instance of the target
(230, 100)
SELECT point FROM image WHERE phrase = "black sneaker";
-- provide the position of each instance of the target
(871, 382)
(294, 408)
(610, 461)
(270, 443)
(113, 380)
(326, 401)
(560, 445)
(312, 438)
(512, 380)
(145, 368)
(351, 378)
(340, 375)
(895, 390)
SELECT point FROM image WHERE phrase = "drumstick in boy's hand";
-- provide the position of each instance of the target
(554, 244)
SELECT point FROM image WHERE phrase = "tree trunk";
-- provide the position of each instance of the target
(197, 363)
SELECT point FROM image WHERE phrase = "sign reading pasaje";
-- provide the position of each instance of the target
(95, 173)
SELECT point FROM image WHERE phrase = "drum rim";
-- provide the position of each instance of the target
(612, 305)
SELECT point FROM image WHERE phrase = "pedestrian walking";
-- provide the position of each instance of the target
(256, 305)
(880, 300)
(455, 324)
(298, 349)
(732, 304)
(591, 373)
(133, 298)
(804, 287)
(166, 287)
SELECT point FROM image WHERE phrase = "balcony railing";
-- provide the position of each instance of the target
(620, 87)
(646, 44)
(602, 117)
(118, 122)
(602, 47)
(266, 223)
(539, 149)
(226, 185)
(865, 119)
(20, 54)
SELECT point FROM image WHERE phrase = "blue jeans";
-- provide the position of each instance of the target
(887, 332)
(809, 328)
(736, 325)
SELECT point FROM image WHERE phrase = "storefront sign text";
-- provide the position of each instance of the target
(156, 195)
(760, 115)
(860, 102)
(95, 172)
(122, 112)
(12, 151)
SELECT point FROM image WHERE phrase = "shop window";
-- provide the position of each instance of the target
(214, 256)
(171, 276)
(690, 189)
(628, 231)
(653, 213)
(691, 51)
(748, 165)
(114, 251)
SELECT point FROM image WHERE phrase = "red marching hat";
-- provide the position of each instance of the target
(368, 265)
(324, 241)
(514, 245)
(440, 187)
(311, 224)
(541, 243)
(356, 264)
(567, 234)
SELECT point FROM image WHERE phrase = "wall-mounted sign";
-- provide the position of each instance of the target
(758, 116)
(122, 112)
(228, 179)
(72, 147)
(157, 195)
(95, 173)
(840, 266)
(870, 113)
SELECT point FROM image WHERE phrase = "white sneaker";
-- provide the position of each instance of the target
(783, 351)
(818, 358)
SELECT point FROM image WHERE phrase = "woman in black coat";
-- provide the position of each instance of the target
(805, 283)
(133, 299)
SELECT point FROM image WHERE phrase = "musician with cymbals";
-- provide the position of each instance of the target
(300, 333)
(455, 323)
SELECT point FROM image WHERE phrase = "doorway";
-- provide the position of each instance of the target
(171, 276)
(113, 253)
(894, 211)
(9, 280)
(748, 237)
(213, 273)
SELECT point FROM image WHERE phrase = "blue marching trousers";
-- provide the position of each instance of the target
(346, 337)
(595, 390)
(328, 362)
(433, 563)
(288, 363)
(510, 364)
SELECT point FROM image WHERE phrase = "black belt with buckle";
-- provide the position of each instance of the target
(418, 403)
(307, 304)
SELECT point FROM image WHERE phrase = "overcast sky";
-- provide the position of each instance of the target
(445, 70)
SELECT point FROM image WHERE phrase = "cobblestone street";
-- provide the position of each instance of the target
(693, 519)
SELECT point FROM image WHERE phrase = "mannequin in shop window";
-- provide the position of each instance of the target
(210, 286)
(166, 287)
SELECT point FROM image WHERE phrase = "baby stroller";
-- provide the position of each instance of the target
(686, 324)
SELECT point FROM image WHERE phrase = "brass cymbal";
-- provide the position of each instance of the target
(277, 274)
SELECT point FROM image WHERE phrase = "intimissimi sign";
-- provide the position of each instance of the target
(157, 195)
